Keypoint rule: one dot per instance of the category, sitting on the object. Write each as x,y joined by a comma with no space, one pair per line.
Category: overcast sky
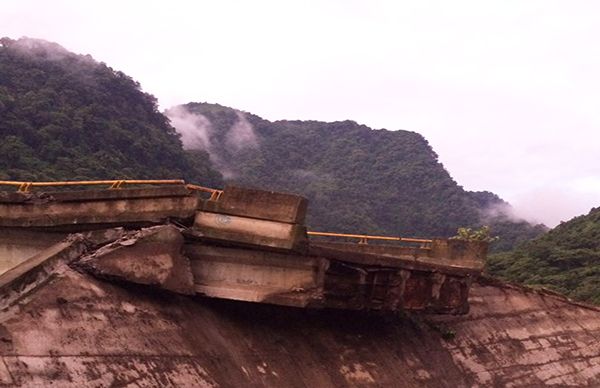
506,92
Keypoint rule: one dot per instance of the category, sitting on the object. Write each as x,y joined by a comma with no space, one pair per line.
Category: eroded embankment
74,330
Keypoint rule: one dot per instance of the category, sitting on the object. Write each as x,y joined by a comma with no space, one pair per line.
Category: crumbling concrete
152,256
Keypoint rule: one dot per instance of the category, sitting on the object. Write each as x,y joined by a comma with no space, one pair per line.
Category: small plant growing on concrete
469,234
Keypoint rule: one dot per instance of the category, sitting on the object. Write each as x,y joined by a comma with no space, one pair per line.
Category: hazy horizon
505,92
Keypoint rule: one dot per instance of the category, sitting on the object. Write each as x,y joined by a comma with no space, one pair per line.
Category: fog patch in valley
198,133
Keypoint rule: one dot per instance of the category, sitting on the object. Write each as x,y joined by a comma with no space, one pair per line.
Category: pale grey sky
507,92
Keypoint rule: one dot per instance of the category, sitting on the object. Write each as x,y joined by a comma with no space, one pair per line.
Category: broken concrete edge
151,257
486,280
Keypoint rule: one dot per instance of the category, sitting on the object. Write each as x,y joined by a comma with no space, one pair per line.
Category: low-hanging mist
198,133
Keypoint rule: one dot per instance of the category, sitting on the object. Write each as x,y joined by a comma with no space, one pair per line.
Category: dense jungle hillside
357,179
66,116
566,259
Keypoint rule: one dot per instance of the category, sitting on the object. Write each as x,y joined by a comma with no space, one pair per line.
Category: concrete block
261,204
250,232
152,256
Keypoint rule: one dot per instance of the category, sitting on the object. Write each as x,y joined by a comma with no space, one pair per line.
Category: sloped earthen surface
75,331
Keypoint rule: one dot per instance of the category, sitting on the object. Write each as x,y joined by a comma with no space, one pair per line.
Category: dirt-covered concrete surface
74,330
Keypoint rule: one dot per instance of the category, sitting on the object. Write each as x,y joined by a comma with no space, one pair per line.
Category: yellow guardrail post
214,193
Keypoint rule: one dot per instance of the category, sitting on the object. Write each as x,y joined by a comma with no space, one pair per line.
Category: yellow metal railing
364,238
114,184
24,187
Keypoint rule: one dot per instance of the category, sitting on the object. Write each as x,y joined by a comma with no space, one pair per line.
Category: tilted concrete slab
98,207
249,232
23,278
261,204
152,256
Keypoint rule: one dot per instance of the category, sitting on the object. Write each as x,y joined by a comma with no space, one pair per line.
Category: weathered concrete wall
18,245
77,331
97,207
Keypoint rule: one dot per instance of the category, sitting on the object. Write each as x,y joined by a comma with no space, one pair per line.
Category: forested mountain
357,179
566,259
66,116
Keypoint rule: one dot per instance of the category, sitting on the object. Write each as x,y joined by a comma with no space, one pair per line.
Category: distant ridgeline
357,179
566,259
66,116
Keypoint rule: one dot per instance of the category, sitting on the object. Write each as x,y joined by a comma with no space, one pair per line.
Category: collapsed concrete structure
121,302
248,245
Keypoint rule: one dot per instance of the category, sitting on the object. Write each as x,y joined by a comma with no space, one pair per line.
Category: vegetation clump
470,234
